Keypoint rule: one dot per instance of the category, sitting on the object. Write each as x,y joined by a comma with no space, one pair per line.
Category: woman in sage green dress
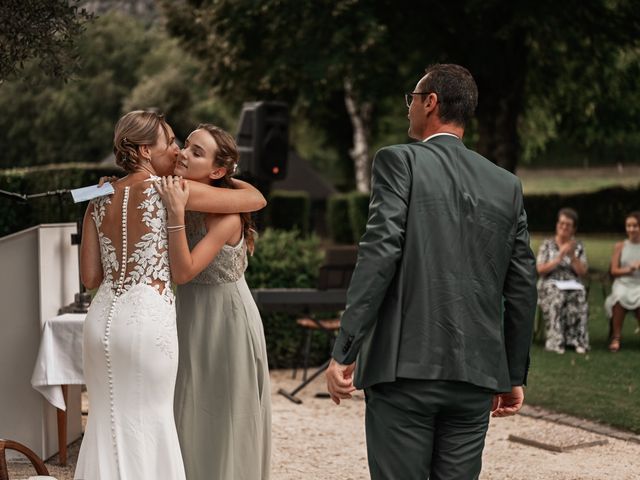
222,401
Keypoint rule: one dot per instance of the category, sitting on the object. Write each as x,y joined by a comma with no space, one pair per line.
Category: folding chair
335,273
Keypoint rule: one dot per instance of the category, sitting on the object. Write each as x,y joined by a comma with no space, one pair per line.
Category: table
59,363
301,300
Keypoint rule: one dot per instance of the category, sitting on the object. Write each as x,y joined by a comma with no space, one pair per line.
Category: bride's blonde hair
134,129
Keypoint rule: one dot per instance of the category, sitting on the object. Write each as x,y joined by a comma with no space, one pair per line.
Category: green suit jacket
444,287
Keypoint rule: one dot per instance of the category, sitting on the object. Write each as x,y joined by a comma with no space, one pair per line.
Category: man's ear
217,173
430,103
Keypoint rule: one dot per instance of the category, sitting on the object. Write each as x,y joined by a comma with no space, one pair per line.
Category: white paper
87,193
569,285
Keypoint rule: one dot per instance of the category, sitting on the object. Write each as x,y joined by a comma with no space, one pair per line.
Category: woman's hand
104,180
175,193
569,249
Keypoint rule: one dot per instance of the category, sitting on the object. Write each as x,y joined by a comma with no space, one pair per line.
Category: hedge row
599,212
17,215
289,210
347,216
602,211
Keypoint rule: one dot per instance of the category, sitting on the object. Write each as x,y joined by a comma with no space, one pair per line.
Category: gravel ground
318,440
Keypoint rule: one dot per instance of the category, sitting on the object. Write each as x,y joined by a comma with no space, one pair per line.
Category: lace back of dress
133,239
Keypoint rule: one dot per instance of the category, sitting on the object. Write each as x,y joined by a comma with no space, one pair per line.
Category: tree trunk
360,116
501,102
498,132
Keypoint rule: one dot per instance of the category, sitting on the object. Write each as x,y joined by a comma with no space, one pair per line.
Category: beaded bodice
132,232
230,263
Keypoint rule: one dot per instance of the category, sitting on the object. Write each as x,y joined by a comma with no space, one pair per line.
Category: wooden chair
335,273
37,463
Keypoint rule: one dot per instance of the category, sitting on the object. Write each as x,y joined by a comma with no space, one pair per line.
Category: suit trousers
426,429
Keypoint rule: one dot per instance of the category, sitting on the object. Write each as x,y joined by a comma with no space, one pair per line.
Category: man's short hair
456,90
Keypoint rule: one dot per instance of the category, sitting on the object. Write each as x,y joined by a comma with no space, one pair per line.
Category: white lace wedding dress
131,345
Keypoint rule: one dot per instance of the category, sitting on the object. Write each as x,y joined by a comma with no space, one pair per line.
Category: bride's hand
175,193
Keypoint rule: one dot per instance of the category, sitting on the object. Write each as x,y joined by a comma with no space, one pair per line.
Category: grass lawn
599,386
574,180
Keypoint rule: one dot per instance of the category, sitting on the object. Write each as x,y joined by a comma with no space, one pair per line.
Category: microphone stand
82,299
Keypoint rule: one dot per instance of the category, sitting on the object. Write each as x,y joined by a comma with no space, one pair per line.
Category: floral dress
566,312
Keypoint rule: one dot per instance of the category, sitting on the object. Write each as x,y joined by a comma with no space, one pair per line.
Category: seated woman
625,291
561,263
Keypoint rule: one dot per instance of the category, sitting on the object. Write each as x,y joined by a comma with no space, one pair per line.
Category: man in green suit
441,304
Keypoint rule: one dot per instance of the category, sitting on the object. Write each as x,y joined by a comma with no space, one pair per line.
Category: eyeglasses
408,97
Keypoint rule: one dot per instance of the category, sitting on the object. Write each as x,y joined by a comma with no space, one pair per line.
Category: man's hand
340,380
507,404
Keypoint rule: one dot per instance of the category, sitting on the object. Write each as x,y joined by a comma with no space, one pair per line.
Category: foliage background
285,259
558,82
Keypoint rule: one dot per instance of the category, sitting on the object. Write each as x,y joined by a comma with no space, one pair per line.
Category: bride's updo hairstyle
133,130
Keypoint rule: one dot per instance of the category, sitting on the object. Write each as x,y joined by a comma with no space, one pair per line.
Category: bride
130,339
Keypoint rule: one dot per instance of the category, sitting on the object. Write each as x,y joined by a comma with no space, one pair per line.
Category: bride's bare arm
90,266
244,198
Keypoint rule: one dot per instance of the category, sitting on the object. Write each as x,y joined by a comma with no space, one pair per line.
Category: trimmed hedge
338,222
358,214
347,215
285,259
289,210
600,212
17,215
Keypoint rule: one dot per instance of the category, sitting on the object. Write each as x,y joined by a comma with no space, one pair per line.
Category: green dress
222,401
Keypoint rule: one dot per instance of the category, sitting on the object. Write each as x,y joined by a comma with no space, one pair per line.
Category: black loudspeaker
263,140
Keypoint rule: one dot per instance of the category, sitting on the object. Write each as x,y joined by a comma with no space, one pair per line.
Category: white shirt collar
438,134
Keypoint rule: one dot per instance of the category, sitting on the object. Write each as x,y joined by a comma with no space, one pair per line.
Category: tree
560,55
45,30
366,50
121,65
300,51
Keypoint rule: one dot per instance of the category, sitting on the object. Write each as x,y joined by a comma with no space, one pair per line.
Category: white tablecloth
59,359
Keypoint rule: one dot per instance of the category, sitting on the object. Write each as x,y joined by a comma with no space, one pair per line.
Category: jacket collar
439,135
443,139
